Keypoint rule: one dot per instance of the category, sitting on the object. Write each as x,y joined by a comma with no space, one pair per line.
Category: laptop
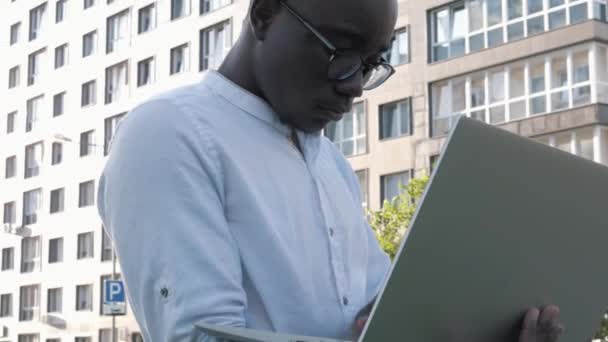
506,223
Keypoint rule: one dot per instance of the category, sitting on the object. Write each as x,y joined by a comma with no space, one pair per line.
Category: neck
238,66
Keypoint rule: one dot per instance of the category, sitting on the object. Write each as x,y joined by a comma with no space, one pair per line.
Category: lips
334,113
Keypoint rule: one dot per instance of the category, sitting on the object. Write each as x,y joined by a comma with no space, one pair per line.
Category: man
227,205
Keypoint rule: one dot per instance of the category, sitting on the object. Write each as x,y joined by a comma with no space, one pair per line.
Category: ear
261,15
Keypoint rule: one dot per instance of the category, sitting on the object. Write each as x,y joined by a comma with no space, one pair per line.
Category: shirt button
345,300
331,231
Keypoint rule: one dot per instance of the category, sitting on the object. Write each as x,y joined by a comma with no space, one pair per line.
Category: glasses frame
334,52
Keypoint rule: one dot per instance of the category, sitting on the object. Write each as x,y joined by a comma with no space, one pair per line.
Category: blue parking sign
113,298
114,292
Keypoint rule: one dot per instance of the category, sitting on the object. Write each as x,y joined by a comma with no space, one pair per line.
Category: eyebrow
344,31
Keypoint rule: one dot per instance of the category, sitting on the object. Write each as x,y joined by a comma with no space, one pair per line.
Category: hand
361,319
541,326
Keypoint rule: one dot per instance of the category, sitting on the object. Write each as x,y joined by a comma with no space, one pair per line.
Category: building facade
71,69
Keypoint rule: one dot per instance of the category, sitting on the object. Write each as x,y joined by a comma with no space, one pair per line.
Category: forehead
371,20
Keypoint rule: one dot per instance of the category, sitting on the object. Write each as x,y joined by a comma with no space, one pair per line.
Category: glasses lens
376,76
343,66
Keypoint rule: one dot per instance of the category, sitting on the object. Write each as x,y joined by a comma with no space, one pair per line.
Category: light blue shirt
217,217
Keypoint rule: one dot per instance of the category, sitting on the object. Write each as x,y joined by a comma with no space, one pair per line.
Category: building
538,68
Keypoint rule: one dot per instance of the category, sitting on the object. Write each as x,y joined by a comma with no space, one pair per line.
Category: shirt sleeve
160,199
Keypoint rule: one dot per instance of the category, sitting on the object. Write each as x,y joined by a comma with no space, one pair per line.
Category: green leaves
391,222
602,334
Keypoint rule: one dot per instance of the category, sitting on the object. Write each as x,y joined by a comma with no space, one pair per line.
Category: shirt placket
334,235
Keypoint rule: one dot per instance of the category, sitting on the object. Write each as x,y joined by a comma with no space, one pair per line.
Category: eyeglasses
344,64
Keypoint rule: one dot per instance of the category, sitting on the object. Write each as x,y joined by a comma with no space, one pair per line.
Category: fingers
549,326
541,326
528,332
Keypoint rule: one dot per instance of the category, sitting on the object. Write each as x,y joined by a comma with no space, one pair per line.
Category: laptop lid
506,223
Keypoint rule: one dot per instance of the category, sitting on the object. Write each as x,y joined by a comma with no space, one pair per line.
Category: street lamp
62,137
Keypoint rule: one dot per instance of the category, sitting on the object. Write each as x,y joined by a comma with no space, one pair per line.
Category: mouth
332,113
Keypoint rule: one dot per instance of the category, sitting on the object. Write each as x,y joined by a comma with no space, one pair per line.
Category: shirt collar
245,100
256,106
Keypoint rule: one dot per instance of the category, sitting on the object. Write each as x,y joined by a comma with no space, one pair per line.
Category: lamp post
62,137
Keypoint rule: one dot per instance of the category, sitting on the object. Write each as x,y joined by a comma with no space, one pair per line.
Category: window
10,167
60,10
61,55
30,254
179,8
392,185
10,122
146,20
57,153
57,199
8,258
86,194
117,31
85,245
362,176
488,23
556,81
36,17
89,42
396,119
87,145
400,49
54,302
32,203
433,160
111,124
84,298
88,3
179,59
10,213
116,82
215,45
14,39
105,335
145,71
33,160
34,65
350,133
55,250
33,107
136,337
583,141
449,32
58,100
13,77
87,96
580,142
106,246
28,338
212,5
6,305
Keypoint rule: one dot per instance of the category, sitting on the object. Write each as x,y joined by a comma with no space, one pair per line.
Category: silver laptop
506,223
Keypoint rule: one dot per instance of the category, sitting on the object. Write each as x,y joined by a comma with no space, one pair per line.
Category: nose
352,86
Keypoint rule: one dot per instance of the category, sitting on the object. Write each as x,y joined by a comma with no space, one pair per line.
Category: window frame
381,119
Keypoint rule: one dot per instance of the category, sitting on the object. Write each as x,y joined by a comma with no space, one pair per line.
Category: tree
602,334
391,222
